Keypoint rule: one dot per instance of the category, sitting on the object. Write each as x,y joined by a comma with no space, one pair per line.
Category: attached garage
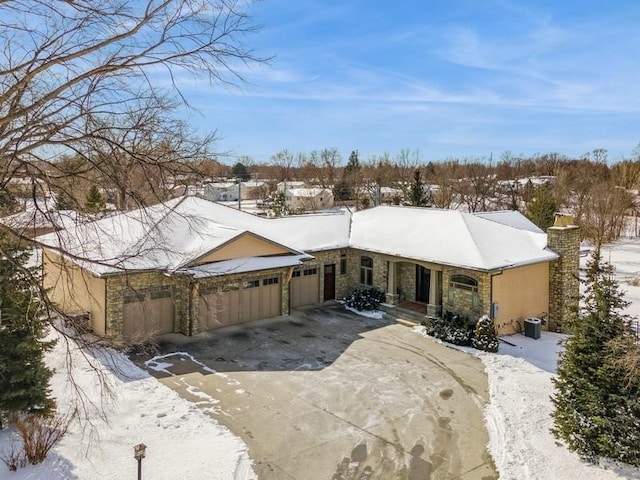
148,312
305,286
238,302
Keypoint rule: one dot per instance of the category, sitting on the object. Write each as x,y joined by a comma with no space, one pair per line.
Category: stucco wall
73,289
245,246
520,293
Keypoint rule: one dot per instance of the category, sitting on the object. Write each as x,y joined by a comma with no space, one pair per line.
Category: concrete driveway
325,394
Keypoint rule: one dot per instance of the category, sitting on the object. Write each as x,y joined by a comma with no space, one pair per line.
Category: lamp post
139,454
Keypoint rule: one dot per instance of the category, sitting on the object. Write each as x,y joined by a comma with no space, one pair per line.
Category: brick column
564,284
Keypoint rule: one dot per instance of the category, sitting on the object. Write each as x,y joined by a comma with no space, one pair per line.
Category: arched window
462,286
366,271
462,281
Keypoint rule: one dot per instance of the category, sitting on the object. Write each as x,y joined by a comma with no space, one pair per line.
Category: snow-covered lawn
182,442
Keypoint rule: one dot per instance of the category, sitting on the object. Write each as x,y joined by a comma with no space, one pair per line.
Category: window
132,296
251,284
270,281
160,292
296,273
467,287
310,271
343,264
366,271
228,287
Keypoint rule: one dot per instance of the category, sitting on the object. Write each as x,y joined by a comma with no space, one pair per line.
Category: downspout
190,307
106,306
491,302
288,276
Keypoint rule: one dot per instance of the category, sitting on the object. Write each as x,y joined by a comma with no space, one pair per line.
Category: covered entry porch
416,285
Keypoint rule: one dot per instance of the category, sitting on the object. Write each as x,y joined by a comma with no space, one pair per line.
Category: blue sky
462,79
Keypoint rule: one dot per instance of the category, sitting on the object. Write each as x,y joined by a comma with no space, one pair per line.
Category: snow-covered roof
448,237
38,218
307,192
242,265
171,236
511,218
162,237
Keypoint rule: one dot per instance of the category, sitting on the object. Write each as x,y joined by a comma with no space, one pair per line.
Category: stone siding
406,281
564,283
118,285
379,270
463,299
329,257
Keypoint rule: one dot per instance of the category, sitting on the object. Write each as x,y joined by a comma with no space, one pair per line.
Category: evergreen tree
417,195
94,202
597,407
542,207
241,172
485,337
64,201
24,376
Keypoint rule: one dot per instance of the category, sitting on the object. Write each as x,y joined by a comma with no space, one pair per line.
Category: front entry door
423,284
329,282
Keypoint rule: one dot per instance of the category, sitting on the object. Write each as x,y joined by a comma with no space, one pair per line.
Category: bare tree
78,77
285,162
322,165
406,163
99,82
477,188
604,213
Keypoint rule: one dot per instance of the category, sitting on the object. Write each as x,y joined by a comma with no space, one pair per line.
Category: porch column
391,296
433,286
433,308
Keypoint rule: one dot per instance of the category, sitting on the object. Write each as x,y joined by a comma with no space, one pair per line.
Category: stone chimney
564,284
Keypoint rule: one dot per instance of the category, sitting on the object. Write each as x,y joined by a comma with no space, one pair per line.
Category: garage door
147,313
233,303
219,306
305,287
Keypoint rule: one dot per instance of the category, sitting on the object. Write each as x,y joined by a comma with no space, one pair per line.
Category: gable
244,246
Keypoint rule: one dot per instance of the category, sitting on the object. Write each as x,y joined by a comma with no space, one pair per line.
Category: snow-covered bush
485,337
365,299
451,329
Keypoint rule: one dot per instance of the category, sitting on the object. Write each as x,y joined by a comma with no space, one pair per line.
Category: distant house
221,191
254,190
282,186
191,265
309,199
38,219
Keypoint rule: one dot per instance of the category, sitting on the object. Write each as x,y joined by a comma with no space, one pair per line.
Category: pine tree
240,171
417,195
542,208
485,337
597,408
94,202
24,376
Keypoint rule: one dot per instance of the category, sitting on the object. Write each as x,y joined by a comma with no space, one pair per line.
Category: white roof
511,218
448,237
38,218
163,237
307,192
170,236
242,265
